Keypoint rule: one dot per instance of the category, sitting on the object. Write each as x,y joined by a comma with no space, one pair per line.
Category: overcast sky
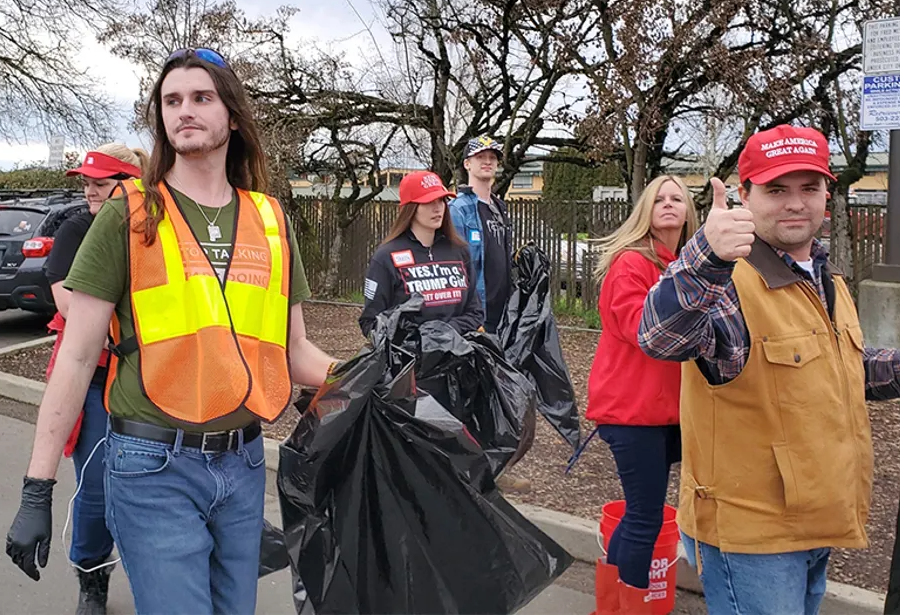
341,23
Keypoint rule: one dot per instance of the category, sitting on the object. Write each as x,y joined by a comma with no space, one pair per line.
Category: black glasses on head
207,55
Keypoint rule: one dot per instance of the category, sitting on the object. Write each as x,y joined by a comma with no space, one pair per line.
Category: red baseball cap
781,150
101,166
422,187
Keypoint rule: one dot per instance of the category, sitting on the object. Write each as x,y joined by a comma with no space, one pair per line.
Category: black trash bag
388,503
273,555
530,340
470,377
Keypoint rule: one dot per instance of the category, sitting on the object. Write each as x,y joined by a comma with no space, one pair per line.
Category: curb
21,389
575,534
25,345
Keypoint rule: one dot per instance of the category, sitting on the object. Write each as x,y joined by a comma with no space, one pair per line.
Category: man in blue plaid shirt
777,447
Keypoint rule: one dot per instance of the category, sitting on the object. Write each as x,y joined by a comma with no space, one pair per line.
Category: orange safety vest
205,352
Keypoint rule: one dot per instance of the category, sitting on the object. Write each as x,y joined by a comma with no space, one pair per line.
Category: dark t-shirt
497,260
442,274
65,245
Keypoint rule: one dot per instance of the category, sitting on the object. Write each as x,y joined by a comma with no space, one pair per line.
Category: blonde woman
633,398
92,543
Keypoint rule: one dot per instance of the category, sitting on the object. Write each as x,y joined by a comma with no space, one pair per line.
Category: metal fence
562,229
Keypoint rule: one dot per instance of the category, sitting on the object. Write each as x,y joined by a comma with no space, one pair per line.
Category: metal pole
892,228
890,270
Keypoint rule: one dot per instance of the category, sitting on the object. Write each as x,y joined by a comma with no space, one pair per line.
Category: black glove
29,537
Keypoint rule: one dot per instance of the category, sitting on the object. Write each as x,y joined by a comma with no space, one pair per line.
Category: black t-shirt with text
497,260
442,274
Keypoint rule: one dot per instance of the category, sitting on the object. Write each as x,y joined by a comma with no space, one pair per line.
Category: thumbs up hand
728,231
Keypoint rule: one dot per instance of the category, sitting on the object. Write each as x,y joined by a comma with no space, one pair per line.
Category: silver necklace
215,233
213,229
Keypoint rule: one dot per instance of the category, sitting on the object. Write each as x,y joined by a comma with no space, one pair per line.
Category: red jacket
626,387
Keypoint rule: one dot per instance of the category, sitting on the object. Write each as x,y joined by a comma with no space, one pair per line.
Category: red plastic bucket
661,594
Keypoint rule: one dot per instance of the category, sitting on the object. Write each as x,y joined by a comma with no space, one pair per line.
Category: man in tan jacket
777,450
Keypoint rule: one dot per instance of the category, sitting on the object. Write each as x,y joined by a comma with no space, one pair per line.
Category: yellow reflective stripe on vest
183,307
258,313
180,307
261,312
165,233
274,236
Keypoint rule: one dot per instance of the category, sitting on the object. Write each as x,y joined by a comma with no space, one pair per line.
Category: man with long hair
199,272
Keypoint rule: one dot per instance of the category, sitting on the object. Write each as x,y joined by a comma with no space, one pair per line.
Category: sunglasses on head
207,55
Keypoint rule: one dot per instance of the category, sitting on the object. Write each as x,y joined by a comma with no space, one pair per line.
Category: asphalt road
18,326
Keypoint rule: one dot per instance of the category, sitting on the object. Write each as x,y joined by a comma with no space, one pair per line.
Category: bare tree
147,36
838,115
497,67
42,90
651,63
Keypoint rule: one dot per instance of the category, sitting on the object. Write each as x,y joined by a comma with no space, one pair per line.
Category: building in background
527,184
529,181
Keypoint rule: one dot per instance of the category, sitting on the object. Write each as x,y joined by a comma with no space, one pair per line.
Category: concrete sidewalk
57,591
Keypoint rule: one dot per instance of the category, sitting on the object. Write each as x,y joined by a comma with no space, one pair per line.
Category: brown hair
404,221
245,165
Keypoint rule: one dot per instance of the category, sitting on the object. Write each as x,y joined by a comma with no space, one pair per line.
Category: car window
56,218
19,222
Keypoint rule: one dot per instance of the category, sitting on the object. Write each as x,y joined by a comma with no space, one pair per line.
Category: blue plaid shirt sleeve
882,373
693,313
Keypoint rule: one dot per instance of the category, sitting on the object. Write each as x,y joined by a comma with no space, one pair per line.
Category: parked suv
28,222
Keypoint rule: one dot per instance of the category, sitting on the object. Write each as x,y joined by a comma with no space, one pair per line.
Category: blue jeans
643,457
741,583
187,524
91,541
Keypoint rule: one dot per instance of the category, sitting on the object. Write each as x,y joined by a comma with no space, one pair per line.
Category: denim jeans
187,524
749,584
643,457
91,541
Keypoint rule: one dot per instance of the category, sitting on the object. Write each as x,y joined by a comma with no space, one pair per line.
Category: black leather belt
208,442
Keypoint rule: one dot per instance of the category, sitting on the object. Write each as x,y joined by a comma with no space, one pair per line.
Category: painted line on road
575,534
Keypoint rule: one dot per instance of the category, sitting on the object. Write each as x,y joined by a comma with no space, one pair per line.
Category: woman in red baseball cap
92,543
422,254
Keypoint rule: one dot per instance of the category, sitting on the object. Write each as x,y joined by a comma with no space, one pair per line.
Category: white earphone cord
71,506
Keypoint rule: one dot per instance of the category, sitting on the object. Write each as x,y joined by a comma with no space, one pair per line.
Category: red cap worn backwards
422,187
101,166
782,150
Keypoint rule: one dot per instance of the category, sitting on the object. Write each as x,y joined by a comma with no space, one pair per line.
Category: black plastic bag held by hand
530,340
388,503
273,554
28,540
470,377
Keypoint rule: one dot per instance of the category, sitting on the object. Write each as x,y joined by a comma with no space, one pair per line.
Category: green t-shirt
101,270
